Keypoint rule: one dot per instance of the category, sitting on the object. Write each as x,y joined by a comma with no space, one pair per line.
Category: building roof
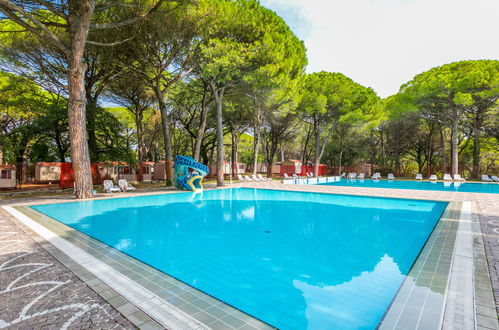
48,164
7,167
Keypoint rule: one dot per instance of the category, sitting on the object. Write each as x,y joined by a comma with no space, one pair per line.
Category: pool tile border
166,300
440,244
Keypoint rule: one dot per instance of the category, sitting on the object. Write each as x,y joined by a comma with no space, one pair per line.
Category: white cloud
384,43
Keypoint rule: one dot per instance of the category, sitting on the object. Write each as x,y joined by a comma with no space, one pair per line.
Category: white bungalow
8,177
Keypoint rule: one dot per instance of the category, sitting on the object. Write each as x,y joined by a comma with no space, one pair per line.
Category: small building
291,166
8,177
47,172
120,170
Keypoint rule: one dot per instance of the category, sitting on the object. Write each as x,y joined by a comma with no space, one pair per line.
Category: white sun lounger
262,178
286,176
352,175
419,176
447,177
376,176
495,178
458,177
391,176
486,178
125,186
360,176
109,187
247,178
433,177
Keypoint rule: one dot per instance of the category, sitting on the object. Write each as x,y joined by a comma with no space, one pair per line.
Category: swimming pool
295,260
474,187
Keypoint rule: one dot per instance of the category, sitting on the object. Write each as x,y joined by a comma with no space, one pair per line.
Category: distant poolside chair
494,178
343,175
391,176
240,178
255,178
352,175
419,176
486,178
310,175
376,176
458,177
447,177
125,186
262,178
109,187
286,176
433,177
248,179
360,176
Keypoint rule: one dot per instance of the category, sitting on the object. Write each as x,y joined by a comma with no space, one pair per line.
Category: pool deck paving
25,247
38,292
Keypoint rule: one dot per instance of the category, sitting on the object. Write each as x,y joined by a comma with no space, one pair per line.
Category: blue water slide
189,173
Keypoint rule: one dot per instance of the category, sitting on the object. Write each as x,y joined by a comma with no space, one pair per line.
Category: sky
385,43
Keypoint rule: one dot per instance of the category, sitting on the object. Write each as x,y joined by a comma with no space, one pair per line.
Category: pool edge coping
472,207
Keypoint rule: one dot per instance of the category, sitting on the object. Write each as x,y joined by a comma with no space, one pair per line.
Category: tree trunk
443,151
319,149
1,152
256,139
476,148
234,152
218,94
79,21
202,126
60,148
340,158
141,147
165,124
455,142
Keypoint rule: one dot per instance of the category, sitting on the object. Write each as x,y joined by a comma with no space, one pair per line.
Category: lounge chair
486,178
360,176
376,176
248,179
447,177
458,177
295,176
255,178
352,175
343,175
286,176
262,178
419,176
391,176
495,178
109,187
433,177
125,186
240,178
309,175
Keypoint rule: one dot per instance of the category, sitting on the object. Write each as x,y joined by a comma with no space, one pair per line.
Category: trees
449,92
329,99
66,28
245,44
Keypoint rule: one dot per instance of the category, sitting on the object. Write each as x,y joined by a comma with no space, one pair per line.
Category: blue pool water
474,187
295,260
